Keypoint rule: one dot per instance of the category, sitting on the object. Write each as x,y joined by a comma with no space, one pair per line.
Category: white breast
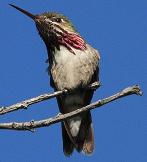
71,70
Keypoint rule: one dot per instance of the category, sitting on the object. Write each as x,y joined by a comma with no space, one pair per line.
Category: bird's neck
69,40
72,41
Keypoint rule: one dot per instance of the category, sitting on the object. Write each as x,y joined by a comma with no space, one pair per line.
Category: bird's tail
84,141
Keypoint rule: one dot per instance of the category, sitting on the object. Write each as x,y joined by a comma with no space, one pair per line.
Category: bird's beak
34,17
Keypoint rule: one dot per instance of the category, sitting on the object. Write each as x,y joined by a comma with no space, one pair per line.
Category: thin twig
26,103
61,117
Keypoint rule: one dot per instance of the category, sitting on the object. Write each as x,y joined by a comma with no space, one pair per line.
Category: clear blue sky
118,28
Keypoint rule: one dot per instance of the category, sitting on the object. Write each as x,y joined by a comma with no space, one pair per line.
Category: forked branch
61,117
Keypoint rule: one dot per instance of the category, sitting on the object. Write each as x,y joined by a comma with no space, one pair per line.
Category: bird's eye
59,20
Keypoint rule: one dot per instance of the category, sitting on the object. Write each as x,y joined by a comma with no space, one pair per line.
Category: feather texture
75,72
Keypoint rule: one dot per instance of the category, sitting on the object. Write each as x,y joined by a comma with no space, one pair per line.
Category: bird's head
55,28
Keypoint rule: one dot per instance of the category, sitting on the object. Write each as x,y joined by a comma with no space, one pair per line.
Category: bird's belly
70,71
73,102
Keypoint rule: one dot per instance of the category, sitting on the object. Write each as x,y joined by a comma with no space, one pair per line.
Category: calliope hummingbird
73,65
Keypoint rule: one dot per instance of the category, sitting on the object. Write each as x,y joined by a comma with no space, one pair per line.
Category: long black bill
24,12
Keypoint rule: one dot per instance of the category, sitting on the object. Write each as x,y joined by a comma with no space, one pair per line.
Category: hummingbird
73,65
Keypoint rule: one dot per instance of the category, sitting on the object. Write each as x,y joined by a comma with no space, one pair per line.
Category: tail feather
88,145
84,140
68,146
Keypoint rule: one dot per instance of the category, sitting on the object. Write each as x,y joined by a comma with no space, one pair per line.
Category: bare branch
26,103
61,117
